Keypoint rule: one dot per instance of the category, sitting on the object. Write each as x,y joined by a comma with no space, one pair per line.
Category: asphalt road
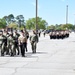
53,57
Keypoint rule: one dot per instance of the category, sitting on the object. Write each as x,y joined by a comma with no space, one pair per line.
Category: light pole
36,25
67,14
74,19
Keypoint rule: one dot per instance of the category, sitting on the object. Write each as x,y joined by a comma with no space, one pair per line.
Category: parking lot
53,57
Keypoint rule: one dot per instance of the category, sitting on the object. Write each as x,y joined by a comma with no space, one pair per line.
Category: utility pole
36,26
67,14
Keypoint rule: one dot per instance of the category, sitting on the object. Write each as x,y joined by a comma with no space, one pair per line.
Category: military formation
15,43
59,34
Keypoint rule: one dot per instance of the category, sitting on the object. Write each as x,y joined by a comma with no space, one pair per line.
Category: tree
2,23
20,20
30,24
12,25
67,26
6,19
9,19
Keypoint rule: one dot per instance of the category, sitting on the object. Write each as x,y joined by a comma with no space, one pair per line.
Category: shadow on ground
27,55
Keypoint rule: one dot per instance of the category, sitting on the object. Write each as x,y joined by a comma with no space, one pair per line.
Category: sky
53,11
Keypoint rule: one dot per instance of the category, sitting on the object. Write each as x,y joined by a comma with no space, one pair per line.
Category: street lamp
36,26
67,14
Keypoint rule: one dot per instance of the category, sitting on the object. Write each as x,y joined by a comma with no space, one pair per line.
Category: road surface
53,57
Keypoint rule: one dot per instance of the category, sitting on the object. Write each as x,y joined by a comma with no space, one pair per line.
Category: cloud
34,4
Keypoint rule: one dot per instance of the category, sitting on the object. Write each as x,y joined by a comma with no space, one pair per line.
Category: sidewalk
53,57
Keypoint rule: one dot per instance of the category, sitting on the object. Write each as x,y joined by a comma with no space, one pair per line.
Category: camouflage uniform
27,36
16,35
10,44
1,43
34,40
5,35
22,42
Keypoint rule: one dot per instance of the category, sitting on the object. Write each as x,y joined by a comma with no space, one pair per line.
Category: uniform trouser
26,47
67,35
39,34
58,37
23,46
62,37
11,49
3,49
50,37
14,49
33,44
